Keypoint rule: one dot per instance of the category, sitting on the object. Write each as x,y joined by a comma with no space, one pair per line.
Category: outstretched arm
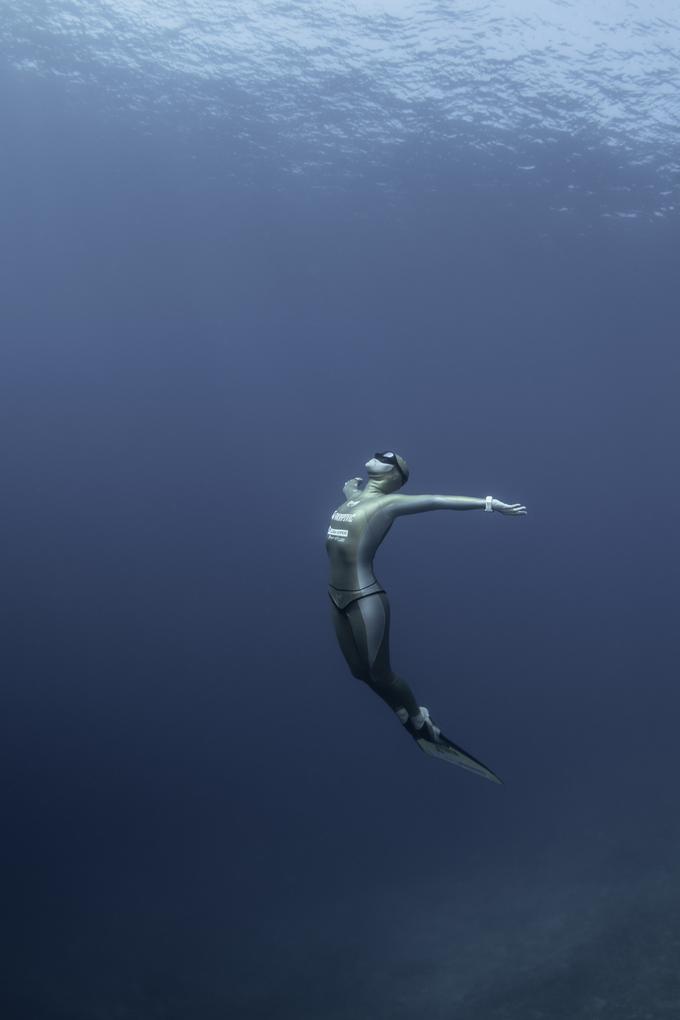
399,504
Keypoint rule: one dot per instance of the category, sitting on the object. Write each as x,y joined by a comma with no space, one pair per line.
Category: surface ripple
544,89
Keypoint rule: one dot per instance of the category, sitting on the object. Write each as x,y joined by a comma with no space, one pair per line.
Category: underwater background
244,245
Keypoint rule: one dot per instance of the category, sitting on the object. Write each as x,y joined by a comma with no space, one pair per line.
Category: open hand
510,509
351,487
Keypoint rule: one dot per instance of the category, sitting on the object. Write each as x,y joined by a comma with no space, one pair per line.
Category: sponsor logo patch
339,533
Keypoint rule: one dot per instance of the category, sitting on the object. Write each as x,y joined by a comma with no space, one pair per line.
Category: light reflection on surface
338,86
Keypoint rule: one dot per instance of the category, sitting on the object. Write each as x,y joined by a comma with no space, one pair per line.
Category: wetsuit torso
356,530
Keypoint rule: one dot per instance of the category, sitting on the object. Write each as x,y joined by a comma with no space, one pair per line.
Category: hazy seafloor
245,245
535,950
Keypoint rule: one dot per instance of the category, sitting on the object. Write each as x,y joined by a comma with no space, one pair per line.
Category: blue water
244,246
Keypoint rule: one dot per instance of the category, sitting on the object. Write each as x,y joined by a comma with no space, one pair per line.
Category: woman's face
376,467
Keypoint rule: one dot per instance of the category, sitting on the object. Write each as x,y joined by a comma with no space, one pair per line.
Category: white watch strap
488,507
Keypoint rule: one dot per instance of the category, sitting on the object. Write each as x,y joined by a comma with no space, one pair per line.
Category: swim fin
432,741
446,750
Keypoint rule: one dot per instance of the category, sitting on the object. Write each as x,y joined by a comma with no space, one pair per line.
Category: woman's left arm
398,504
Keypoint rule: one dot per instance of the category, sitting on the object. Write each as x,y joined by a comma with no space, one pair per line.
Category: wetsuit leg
343,632
363,631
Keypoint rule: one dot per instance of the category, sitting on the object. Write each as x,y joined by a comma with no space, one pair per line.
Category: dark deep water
220,293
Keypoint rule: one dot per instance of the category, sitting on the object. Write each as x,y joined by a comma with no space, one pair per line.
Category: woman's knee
380,679
374,678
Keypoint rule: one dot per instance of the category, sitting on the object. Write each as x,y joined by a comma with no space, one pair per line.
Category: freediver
360,607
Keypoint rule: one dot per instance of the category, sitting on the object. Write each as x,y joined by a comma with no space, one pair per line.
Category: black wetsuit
361,611
360,607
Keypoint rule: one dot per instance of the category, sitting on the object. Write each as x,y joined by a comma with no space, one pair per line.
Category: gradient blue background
219,295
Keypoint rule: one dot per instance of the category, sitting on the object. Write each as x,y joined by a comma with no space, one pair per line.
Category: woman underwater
361,610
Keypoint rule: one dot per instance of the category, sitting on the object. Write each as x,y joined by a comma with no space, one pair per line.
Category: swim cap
389,457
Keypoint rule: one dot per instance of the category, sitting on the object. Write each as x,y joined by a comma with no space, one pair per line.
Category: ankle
421,718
